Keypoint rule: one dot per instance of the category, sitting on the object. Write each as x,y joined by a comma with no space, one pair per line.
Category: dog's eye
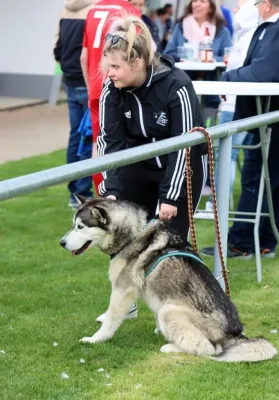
80,227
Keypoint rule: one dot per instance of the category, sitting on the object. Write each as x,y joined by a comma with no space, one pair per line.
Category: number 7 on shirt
102,16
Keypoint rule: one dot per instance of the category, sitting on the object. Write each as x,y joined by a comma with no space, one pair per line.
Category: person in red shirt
98,22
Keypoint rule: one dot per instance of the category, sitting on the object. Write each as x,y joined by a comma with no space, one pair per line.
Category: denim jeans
241,233
77,99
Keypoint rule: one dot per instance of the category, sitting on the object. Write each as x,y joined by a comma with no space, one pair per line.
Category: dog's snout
63,243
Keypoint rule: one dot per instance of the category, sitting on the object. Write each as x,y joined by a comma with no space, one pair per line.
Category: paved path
31,131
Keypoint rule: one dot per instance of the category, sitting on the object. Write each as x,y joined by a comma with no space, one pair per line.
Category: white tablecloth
199,66
236,88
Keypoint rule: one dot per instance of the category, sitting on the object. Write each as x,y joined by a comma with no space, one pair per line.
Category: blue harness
172,254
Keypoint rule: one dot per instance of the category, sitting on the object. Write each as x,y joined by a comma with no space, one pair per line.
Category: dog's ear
80,199
100,215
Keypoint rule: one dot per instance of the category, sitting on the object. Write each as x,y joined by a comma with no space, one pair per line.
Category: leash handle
189,173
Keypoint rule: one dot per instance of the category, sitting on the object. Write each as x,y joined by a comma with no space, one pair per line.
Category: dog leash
189,173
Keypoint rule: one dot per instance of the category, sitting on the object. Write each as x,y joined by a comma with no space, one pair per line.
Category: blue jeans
77,99
237,140
241,233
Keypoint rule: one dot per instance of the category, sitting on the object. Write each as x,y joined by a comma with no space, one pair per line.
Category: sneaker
268,253
132,314
209,206
207,214
203,215
232,252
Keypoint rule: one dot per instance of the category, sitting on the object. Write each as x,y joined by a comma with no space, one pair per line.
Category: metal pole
32,182
223,197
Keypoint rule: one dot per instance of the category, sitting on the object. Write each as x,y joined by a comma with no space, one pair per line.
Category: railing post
223,196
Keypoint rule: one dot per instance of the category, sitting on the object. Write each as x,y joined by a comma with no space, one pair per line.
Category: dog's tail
247,350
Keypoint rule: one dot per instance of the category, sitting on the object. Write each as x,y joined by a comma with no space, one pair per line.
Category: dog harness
173,254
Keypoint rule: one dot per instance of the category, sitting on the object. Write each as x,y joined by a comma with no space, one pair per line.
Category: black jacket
165,106
68,46
261,65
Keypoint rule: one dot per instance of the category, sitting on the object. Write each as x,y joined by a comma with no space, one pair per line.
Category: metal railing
32,182
54,176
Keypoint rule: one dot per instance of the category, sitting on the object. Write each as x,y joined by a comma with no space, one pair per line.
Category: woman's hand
111,196
167,212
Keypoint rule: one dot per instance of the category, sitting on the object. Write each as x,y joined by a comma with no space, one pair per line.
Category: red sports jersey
97,25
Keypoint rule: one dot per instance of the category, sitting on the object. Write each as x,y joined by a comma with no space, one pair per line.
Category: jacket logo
161,118
128,114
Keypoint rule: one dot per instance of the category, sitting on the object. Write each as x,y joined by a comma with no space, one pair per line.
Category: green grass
48,296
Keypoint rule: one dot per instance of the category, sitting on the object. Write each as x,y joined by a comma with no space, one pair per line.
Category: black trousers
142,186
241,234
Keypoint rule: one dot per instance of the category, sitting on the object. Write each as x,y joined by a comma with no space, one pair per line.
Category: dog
151,261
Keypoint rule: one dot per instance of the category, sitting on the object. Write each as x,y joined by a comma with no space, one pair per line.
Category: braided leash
189,173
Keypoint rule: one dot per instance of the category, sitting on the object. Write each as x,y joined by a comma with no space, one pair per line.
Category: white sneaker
207,214
209,206
132,314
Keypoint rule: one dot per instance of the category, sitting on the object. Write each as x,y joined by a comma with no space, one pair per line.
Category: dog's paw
170,348
98,337
86,339
157,331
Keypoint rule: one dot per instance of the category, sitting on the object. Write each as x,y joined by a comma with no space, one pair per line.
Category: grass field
49,300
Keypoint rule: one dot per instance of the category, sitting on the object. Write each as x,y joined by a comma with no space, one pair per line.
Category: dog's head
90,225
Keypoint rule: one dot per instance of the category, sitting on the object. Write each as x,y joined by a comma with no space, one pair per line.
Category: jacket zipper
157,157
143,128
140,115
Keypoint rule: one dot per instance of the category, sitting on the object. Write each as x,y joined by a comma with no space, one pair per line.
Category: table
236,88
241,89
199,66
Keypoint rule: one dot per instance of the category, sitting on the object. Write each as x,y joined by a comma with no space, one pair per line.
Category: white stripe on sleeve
101,143
187,124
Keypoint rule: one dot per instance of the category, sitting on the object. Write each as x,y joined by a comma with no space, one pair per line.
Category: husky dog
192,311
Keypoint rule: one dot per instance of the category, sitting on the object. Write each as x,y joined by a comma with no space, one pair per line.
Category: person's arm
263,68
57,46
184,114
112,138
225,41
171,47
84,65
84,54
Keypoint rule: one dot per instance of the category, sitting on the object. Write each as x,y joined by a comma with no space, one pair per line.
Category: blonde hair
136,43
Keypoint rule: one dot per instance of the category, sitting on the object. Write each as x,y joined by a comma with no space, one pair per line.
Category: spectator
199,15
96,27
160,21
261,65
134,112
67,52
246,20
169,9
140,5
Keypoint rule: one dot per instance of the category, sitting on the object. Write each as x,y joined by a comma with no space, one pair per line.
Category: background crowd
246,38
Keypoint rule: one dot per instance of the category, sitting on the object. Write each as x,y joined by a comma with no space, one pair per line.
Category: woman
146,99
199,15
246,20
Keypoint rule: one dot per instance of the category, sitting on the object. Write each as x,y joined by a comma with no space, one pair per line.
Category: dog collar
173,254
